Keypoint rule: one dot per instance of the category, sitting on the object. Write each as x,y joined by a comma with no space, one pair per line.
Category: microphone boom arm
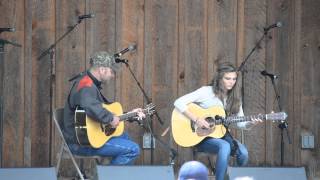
140,87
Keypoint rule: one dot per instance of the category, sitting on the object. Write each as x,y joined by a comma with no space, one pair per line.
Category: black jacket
85,92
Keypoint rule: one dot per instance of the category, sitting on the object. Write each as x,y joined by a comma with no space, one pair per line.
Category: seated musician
222,93
86,93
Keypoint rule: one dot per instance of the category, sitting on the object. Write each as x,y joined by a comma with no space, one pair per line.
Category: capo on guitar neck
217,117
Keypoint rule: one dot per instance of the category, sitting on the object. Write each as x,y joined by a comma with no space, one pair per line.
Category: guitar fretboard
235,119
127,116
244,118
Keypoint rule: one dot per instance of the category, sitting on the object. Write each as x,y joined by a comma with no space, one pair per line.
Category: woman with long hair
222,92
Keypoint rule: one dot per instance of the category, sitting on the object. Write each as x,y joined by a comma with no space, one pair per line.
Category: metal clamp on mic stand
173,152
284,124
50,51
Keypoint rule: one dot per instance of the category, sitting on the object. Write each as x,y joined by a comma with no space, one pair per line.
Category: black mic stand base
283,126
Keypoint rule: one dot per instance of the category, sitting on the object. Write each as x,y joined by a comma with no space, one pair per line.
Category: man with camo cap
85,93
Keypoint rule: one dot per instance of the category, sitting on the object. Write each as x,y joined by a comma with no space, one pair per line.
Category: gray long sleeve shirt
205,98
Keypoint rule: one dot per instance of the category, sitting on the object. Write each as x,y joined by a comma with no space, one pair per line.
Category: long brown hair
233,97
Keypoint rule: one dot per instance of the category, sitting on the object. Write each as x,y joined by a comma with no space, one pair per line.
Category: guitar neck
127,116
236,119
244,118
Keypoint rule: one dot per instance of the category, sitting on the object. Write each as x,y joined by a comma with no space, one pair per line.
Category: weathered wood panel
130,28
179,45
28,71
254,84
70,54
13,90
297,79
161,53
193,46
279,62
42,36
308,69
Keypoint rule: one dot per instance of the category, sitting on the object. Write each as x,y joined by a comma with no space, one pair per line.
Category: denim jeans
222,149
121,149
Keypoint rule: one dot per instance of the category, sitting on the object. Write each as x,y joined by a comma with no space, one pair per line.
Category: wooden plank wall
179,44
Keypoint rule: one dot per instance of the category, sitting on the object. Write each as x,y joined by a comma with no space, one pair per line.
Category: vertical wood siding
179,44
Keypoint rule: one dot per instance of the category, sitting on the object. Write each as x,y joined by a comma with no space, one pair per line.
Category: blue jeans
122,150
222,148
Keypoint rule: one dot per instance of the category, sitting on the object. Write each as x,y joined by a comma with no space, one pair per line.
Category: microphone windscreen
132,47
279,24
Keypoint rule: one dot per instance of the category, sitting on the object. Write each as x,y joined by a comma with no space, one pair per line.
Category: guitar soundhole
211,121
108,130
201,131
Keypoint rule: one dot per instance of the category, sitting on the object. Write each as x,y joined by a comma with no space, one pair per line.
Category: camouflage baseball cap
104,59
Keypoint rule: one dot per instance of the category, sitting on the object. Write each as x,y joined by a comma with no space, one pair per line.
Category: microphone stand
241,67
284,124
173,152
51,52
243,71
3,42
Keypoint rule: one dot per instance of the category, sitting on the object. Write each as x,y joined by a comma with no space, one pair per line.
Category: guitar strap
72,108
104,98
228,137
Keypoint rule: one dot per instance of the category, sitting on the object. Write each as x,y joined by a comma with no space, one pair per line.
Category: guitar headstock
149,109
279,116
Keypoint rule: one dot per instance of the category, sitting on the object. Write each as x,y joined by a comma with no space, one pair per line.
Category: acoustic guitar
186,133
90,132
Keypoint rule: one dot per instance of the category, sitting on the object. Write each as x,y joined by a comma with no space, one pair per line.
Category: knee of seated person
225,147
245,154
242,158
136,150
243,151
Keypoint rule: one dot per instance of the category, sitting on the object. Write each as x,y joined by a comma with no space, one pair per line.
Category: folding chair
58,119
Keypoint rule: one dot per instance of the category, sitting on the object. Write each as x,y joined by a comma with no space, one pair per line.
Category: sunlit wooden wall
179,45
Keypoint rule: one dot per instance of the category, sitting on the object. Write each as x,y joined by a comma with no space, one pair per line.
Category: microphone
277,24
7,29
85,16
131,47
272,76
118,60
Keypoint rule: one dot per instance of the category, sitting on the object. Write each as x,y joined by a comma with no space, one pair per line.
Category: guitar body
89,131
184,131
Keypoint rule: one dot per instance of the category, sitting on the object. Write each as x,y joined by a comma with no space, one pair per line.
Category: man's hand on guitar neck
140,113
116,119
